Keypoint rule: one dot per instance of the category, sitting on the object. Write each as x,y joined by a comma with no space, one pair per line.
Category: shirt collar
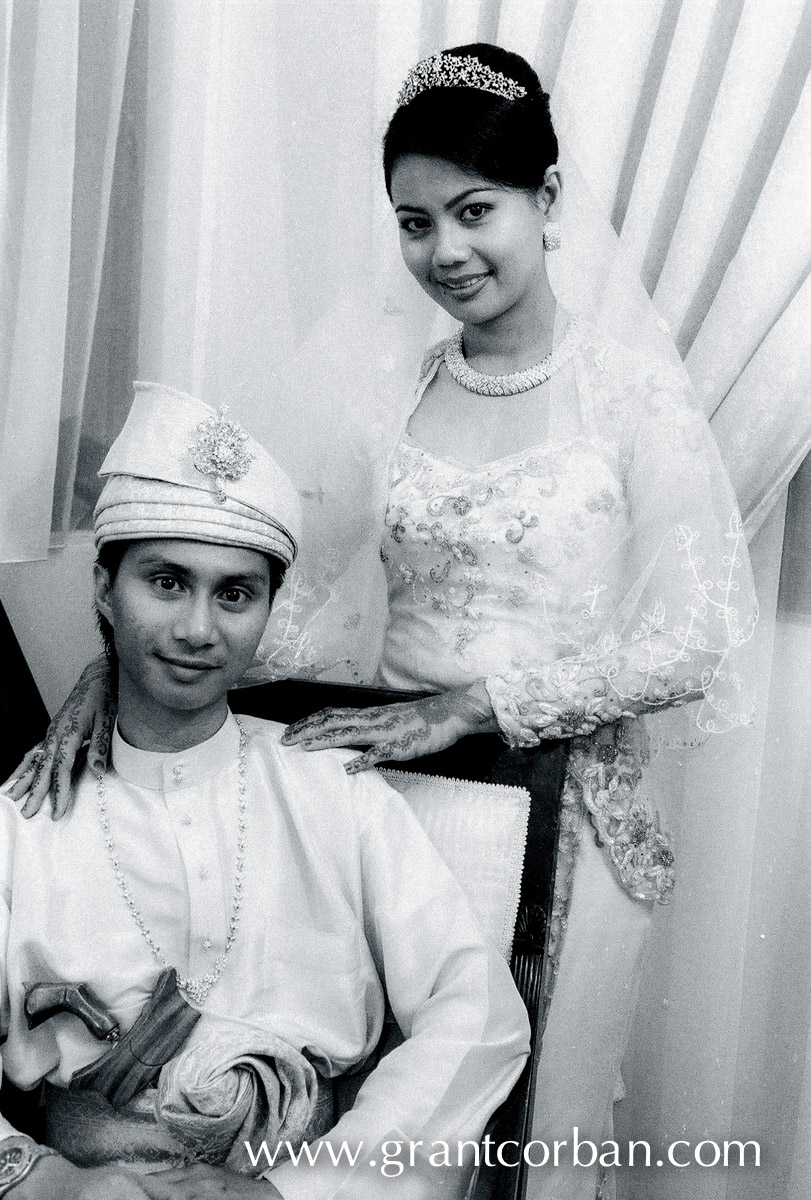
180,769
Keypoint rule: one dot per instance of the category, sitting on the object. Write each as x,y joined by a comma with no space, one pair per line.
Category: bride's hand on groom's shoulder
88,712
396,732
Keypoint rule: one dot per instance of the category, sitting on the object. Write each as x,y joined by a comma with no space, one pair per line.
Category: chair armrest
512,1121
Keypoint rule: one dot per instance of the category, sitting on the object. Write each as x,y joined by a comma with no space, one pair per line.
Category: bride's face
474,247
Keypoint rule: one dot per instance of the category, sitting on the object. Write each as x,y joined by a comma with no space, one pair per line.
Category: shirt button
186,820
207,943
203,873
179,771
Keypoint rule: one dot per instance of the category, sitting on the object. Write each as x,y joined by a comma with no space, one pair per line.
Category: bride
562,549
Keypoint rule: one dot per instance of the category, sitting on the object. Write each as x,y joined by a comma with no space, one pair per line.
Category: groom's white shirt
343,895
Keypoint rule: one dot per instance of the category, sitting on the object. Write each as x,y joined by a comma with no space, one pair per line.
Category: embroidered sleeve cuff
509,706
559,700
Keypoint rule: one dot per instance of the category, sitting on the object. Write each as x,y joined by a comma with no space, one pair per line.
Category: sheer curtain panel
63,74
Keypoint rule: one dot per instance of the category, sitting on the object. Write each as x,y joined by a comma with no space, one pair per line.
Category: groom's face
186,617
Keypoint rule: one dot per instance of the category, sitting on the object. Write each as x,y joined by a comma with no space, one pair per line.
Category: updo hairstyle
509,142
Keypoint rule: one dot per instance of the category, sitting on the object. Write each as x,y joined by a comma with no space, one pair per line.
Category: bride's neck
518,338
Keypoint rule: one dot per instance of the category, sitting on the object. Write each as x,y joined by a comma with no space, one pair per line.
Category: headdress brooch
220,450
448,70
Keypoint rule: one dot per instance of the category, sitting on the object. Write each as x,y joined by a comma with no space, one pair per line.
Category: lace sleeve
572,698
681,629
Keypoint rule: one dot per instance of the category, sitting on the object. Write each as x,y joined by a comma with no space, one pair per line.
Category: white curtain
62,85
191,185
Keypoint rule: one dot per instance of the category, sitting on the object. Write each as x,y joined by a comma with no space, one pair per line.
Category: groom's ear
102,592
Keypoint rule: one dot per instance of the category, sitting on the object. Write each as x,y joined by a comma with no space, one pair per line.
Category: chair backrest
479,759
480,830
23,716
24,720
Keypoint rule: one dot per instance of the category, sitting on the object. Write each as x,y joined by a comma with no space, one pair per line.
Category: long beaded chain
518,381
195,989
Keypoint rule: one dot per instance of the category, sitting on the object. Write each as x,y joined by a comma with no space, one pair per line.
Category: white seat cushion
480,829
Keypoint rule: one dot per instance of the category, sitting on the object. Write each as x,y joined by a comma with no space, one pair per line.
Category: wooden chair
482,758
24,721
23,716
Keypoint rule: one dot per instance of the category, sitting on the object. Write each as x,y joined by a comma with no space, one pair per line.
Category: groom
198,949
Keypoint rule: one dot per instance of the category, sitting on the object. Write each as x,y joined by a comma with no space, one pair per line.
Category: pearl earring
551,236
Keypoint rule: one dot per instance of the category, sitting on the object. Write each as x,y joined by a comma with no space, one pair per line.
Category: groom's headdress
181,469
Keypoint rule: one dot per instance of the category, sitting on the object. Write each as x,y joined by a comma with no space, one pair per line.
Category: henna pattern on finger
18,789
369,759
396,731
99,750
28,764
38,769
56,782
316,721
364,722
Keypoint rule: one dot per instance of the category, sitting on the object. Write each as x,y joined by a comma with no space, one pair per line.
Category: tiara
448,70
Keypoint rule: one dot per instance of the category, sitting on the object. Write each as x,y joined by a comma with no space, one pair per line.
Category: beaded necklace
196,989
518,381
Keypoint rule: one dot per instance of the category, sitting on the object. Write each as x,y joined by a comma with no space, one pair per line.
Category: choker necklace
518,381
195,989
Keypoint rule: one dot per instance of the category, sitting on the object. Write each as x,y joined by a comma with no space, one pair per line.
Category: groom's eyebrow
159,563
247,579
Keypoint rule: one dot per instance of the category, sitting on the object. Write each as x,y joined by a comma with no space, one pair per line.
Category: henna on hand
99,750
396,731
18,782
50,767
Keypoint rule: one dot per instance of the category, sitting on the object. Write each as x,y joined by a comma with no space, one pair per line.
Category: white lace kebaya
589,580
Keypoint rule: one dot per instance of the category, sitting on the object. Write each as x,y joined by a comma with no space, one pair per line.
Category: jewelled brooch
220,450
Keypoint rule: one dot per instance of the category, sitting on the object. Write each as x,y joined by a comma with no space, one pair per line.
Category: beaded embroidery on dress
593,562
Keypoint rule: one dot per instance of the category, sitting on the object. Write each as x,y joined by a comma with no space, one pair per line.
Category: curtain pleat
520,26
40,139
104,43
692,74
776,1002
182,134
780,98
601,114
645,108
769,268
700,248
763,427
61,107
558,16
461,22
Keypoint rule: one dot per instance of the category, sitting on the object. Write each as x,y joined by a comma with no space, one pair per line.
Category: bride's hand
397,731
88,712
